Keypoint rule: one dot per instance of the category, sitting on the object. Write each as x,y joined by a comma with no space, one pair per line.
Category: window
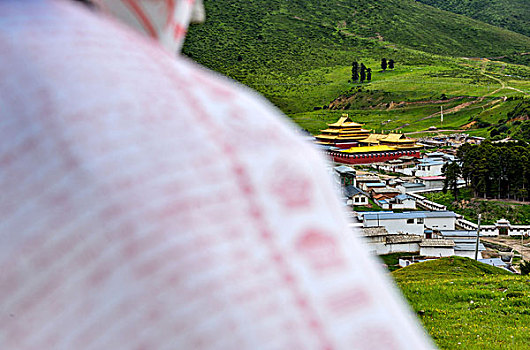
420,221
410,221
356,199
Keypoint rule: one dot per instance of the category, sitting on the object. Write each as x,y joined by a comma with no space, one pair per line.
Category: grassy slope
513,15
298,54
491,210
468,305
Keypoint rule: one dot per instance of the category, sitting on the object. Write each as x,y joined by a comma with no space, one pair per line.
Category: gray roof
402,197
410,215
411,185
375,184
367,178
391,216
394,239
350,191
458,233
436,242
343,169
374,231
385,190
438,214
468,247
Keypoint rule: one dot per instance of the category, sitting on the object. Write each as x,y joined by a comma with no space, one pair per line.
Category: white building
411,222
437,248
465,242
355,196
380,242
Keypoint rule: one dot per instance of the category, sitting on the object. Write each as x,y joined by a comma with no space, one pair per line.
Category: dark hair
87,3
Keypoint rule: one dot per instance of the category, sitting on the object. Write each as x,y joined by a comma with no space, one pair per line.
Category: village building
465,242
380,242
347,175
385,192
502,227
432,183
437,248
355,196
401,201
411,187
416,222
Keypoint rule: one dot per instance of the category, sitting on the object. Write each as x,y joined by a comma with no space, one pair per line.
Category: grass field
298,54
464,304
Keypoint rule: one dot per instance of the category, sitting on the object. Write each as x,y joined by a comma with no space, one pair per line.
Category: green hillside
513,15
298,54
464,304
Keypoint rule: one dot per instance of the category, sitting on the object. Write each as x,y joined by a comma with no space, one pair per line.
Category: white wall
396,226
437,251
467,254
407,204
433,170
441,223
382,248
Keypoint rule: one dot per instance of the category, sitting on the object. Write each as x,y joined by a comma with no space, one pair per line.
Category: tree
525,267
363,73
354,72
368,74
452,173
383,64
391,64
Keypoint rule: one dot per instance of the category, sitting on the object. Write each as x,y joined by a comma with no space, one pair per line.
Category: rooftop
351,191
409,215
343,169
436,242
403,239
368,149
374,231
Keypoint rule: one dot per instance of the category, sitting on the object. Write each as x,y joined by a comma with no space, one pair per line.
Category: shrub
525,267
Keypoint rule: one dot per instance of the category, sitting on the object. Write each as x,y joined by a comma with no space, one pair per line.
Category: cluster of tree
492,170
387,64
360,73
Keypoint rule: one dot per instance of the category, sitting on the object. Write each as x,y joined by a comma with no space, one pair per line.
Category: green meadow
464,304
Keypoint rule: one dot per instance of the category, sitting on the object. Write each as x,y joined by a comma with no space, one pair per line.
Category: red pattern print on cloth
291,186
320,251
349,302
376,336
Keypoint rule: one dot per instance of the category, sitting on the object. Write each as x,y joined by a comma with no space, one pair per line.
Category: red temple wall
368,158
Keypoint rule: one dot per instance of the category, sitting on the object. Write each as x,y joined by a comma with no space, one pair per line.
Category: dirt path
512,243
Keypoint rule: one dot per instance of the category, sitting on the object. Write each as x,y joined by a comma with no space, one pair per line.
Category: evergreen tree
354,72
452,173
363,73
391,64
368,74
383,64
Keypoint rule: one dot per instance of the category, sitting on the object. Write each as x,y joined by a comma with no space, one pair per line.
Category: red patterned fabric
148,204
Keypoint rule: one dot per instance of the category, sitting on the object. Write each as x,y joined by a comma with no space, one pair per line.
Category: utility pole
441,117
478,235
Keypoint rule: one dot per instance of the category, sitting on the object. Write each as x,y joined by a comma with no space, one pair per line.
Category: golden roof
345,121
373,138
397,138
365,149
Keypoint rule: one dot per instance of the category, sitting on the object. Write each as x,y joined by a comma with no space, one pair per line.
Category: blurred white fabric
150,204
